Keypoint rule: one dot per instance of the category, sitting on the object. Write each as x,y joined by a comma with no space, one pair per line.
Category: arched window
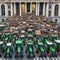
56,10
2,10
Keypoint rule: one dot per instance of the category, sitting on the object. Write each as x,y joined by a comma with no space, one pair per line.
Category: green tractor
2,46
8,51
6,37
53,38
57,45
30,49
2,27
40,49
45,39
50,49
18,48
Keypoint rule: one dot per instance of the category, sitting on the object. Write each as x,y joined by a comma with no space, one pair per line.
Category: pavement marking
56,58
37,58
48,58
53,58
34,59
41,58
44,58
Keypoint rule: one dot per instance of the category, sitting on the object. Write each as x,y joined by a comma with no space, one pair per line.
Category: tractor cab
30,49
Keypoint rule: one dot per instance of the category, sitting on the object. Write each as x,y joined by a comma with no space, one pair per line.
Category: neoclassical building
48,8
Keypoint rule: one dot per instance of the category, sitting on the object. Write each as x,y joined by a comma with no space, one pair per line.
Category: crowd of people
40,24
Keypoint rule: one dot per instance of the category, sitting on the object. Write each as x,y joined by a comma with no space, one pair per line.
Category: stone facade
39,7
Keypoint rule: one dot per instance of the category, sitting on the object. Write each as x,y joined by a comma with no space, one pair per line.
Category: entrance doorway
41,9
17,9
28,7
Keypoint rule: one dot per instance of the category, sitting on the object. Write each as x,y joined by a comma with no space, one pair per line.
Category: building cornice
52,1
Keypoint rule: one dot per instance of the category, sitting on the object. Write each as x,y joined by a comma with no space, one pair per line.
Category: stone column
20,8
36,8
47,9
44,9
14,9
52,10
30,7
25,7
11,9
6,10
59,11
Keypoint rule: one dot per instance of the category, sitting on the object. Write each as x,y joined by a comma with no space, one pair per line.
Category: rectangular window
41,9
9,6
49,6
9,13
49,13
28,7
